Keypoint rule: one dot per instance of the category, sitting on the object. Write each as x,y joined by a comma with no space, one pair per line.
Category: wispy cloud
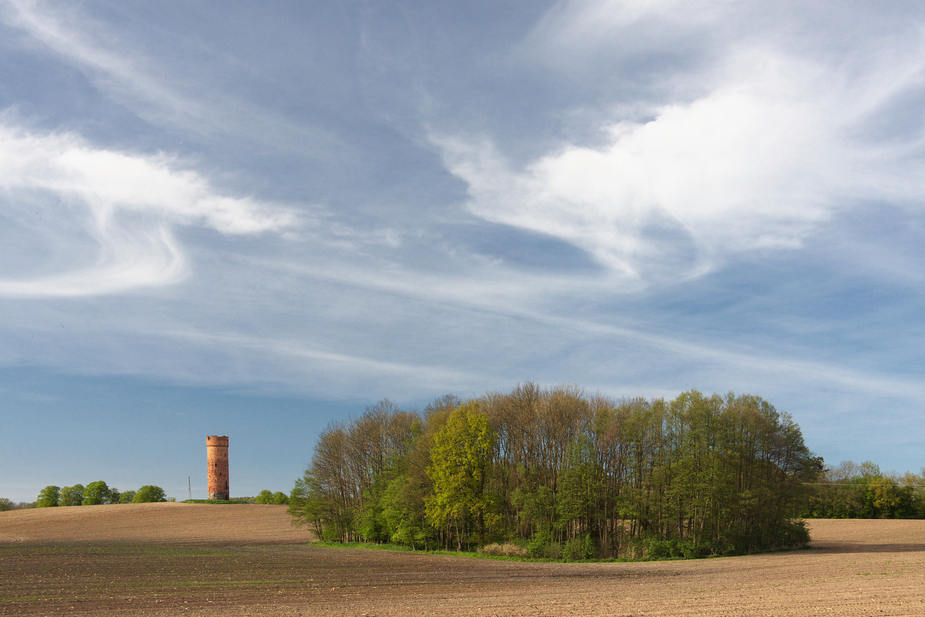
113,71
125,204
159,89
766,147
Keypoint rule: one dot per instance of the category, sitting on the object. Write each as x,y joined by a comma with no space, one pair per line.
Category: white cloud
754,151
585,26
126,204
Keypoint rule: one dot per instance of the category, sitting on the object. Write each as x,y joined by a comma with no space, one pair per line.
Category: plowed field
171,559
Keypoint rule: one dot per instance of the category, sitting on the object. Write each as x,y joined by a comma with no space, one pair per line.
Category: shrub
578,548
543,545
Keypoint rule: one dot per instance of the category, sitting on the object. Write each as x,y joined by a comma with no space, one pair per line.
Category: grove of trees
96,493
563,475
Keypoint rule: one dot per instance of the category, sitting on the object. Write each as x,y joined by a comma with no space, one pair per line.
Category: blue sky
250,220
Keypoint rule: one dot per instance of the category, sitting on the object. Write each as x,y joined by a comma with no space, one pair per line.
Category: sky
254,219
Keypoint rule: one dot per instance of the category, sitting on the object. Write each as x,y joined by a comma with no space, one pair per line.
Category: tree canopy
149,494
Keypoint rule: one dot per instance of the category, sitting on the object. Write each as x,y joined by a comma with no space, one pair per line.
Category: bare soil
170,559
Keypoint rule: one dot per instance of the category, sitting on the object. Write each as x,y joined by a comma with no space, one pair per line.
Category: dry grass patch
507,549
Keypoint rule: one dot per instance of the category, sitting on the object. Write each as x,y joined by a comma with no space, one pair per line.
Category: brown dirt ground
171,559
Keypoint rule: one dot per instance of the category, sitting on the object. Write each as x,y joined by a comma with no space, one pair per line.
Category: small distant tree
95,493
6,504
149,494
48,497
71,495
277,498
280,498
127,497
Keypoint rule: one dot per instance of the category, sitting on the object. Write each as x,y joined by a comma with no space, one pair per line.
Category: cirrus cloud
108,215
752,146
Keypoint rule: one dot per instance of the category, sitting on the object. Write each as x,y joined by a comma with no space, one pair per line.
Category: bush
791,534
578,548
653,548
543,545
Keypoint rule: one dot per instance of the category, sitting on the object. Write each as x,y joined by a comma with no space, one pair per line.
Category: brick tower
217,462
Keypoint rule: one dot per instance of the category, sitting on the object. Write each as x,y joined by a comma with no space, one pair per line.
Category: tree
277,498
460,465
127,497
149,494
48,497
6,504
71,495
579,488
95,493
308,505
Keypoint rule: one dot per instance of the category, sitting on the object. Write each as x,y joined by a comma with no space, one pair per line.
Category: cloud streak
124,204
172,96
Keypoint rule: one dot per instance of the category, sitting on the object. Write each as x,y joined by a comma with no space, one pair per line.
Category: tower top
217,441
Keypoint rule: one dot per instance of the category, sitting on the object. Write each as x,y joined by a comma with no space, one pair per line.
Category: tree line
96,493
852,490
563,475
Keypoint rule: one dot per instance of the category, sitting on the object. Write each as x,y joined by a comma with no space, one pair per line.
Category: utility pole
189,484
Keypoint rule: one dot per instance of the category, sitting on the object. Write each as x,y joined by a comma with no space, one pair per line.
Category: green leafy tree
309,505
48,497
277,498
127,497
149,494
579,488
71,495
6,504
461,460
96,493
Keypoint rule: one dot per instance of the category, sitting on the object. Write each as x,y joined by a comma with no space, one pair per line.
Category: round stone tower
217,462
